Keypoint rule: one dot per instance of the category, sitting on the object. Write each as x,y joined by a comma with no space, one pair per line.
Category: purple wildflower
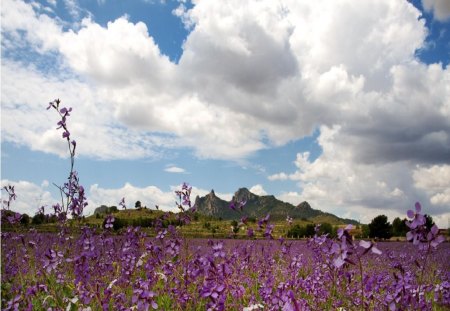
109,221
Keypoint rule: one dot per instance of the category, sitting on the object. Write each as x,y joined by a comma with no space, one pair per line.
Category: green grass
201,226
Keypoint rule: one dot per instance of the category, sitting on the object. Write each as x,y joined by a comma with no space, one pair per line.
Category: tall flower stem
361,282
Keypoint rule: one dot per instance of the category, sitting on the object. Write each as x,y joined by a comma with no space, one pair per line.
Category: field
47,271
92,264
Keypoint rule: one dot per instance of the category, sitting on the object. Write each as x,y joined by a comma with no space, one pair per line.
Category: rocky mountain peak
211,194
256,206
243,194
304,205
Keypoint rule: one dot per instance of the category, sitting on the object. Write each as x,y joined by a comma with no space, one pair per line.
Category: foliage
399,227
380,228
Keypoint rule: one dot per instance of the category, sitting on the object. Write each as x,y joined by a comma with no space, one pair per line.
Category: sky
344,104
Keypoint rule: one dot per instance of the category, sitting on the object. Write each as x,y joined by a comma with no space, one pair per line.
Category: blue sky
344,104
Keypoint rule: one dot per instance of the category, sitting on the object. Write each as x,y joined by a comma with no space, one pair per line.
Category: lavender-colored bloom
250,233
244,220
369,246
268,232
52,259
161,234
218,250
109,221
232,206
65,111
14,219
241,204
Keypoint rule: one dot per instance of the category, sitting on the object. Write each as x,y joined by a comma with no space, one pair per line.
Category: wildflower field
133,272
90,269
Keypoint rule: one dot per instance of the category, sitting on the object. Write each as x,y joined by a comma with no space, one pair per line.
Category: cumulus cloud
435,181
440,8
278,176
149,196
258,190
252,74
335,183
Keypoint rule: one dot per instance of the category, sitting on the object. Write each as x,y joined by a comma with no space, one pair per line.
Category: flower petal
418,207
376,251
410,214
365,244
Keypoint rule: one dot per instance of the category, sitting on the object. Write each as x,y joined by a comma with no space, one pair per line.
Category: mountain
212,205
259,206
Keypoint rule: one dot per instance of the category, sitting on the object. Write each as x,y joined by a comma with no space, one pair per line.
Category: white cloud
258,190
149,196
334,182
73,8
440,8
222,99
174,169
278,176
182,12
435,181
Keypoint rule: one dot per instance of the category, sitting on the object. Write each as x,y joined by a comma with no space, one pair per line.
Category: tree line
378,228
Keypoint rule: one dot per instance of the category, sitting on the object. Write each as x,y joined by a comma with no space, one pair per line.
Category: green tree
296,232
25,220
380,228
399,227
112,209
310,230
429,221
38,219
365,232
326,228
138,204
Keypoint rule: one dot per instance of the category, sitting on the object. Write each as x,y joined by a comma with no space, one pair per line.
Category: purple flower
268,232
250,233
242,204
244,220
66,134
232,206
52,259
109,221
369,246
161,234
65,111
218,250
14,219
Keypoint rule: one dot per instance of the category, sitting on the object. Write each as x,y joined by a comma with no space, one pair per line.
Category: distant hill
259,206
103,209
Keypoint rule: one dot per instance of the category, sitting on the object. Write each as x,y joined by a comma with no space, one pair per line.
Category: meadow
46,271
90,269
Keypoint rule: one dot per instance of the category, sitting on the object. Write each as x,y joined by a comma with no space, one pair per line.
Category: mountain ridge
257,206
